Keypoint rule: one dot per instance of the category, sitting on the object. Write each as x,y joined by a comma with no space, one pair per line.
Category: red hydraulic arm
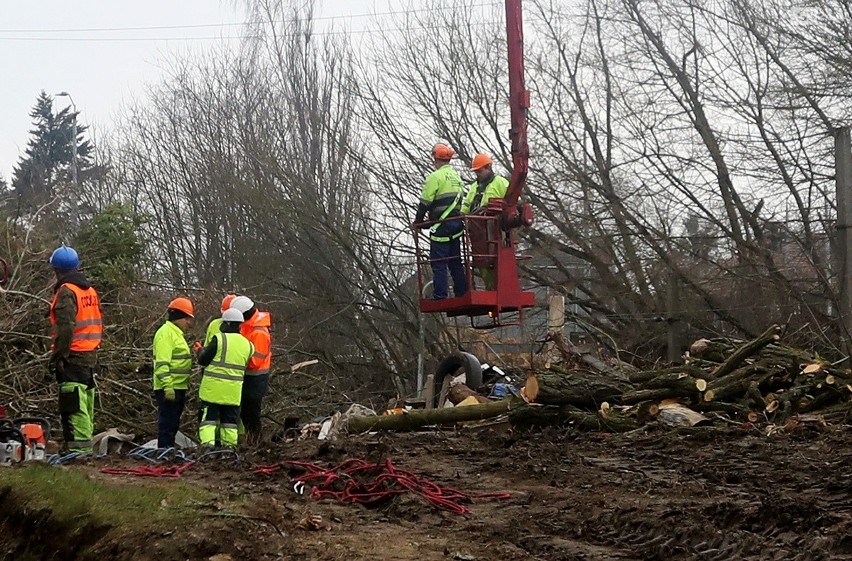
519,103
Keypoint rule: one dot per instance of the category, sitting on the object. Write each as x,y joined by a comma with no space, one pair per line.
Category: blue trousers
443,256
168,417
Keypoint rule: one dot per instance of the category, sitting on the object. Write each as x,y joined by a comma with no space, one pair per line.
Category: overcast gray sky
40,53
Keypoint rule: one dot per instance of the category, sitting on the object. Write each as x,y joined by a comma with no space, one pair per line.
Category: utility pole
75,193
843,186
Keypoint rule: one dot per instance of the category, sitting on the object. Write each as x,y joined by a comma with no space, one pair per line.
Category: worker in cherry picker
75,316
441,199
487,186
172,367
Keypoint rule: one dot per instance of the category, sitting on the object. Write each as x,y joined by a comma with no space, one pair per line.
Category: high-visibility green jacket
441,198
172,360
478,195
222,382
214,327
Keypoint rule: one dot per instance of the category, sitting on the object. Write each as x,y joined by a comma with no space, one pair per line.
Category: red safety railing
490,265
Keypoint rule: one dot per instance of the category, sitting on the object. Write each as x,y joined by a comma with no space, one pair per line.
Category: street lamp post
74,191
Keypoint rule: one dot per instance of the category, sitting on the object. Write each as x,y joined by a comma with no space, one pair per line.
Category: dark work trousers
168,418
254,388
444,255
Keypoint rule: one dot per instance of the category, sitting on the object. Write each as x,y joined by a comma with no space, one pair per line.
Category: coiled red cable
350,482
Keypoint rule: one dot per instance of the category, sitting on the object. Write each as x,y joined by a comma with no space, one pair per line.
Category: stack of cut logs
758,381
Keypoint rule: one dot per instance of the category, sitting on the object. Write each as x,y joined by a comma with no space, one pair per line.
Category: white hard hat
232,314
242,303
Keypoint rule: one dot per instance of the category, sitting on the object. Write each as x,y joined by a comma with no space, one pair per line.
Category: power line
232,24
230,37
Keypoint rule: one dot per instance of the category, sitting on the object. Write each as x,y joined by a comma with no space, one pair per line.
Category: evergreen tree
45,167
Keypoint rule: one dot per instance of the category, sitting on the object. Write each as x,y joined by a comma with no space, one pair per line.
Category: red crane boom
519,101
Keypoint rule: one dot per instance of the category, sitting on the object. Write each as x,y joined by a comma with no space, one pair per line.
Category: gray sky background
36,53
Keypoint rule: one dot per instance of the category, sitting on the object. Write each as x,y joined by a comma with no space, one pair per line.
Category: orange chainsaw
23,439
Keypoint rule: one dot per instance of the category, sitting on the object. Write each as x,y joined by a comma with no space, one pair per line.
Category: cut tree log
771,335
576,387
648,375
736,384
657,394
460,392
645,411
733,410
676,380
417,419
534,416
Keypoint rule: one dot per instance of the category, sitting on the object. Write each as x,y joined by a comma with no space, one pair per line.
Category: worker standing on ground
214,326
224,360
487,186
255,328
172,366
441,199
75,315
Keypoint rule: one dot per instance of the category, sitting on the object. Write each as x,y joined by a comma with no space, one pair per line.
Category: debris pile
761,381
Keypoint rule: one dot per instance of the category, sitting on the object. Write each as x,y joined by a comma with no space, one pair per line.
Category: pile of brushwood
721,382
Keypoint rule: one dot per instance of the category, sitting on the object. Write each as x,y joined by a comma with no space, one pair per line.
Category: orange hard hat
442,152
480,161
183,305
226,301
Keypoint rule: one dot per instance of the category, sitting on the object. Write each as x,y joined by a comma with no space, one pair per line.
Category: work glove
197,346
169,394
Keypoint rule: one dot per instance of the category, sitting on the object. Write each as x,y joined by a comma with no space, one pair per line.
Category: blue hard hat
64,258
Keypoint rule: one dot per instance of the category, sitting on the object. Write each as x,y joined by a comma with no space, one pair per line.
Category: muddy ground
732,493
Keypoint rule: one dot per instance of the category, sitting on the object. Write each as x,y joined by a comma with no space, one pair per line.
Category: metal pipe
75,194
421,345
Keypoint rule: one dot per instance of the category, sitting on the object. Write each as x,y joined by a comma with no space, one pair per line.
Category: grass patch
77,499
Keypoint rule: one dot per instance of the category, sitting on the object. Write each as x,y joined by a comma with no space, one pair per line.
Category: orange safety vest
88,325
256,330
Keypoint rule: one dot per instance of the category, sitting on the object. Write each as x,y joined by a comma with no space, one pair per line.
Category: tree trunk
576,387
657,394
417,419
648,375
533,416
